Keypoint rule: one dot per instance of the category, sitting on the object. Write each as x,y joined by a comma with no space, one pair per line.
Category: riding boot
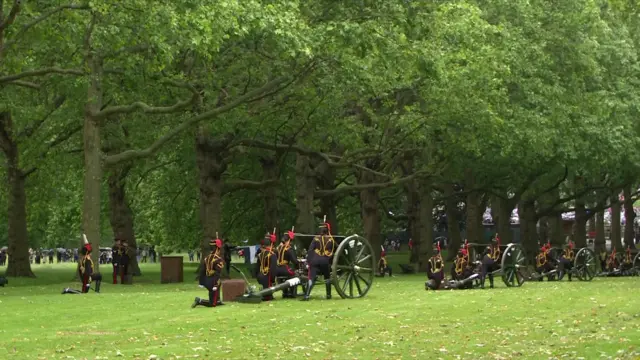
328,287
308,292
196,302
569,275
98,285
491,281
560,275
482,279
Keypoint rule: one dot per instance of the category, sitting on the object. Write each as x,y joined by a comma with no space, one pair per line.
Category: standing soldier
319,258
210,273
566,261
287,256
383,265
85,271
490,259
268,262
123,263
435,269
116,252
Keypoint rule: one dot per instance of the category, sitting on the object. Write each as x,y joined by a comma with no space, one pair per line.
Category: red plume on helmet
86,245
571,244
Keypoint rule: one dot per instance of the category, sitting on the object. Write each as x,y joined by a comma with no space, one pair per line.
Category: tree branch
26,84
137,154
55,142
235,185
38,20
126,49
30,130
15,9
147,109
368,186
151,169
39,72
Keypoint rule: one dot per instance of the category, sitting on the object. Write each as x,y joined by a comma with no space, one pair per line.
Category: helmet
215,243
382,253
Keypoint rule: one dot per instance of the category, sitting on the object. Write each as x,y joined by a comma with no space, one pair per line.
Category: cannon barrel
256,297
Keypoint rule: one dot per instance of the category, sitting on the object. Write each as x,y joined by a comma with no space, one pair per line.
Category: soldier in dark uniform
544,263
383,265
612,262
566,261
85,271
123,264
603,260
286,257
490,261
210,273
435,269
116,254
268,263
319,259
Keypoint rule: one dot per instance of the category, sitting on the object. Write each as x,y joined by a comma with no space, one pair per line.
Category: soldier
566,261
85,271
612,262
543,263
287,256
116,254
435,270
268,262
123,262
319,258
603,260
383,266
627,262
490,259
210,273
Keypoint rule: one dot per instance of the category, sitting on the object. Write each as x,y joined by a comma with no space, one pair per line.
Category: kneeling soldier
85,271
268,262
543,263
210,273
435,270
566,261
286,257
383,266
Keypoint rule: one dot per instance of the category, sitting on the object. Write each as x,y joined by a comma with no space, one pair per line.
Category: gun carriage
626,263
584,263
352,269
512,262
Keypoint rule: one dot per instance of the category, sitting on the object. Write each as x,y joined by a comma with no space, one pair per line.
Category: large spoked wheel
584,265
513,264
636,265
353,267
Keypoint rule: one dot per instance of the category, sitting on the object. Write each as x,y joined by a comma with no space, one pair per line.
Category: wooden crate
171,269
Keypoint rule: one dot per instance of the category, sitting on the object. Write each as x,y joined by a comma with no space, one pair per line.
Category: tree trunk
270,193
616,236
453,223
120,215
370,212
502,219
543,230
92,184
211,165
475,210
423,244
629,216
580,233
91,204
18,241
327,181
413,218
556,225
305,187
599,243
529,240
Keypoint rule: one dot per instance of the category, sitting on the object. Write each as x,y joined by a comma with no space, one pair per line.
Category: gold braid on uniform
434,264
541,259
265,262
495,254
85,258
210,261
323,246
282,249
568,254
459,265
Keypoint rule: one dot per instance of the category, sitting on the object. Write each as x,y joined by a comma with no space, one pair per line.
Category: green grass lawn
397,320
